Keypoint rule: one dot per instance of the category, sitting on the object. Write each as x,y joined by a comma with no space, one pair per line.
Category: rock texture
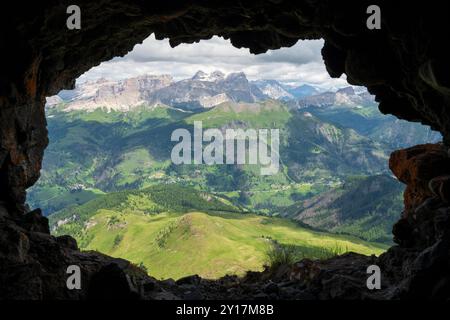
405,64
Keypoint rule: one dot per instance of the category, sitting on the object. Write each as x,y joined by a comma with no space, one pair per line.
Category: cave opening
116,178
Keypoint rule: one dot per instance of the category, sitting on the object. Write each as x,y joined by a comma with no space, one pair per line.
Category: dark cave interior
404,64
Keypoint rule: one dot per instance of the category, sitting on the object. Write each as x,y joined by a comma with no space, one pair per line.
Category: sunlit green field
174,245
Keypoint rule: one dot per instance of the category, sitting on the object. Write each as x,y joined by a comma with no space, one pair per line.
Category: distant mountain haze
202,90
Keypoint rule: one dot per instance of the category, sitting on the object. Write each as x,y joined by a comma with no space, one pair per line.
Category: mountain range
112,136
201,91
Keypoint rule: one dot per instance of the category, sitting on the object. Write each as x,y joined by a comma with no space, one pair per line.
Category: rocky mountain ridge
346,96
203,90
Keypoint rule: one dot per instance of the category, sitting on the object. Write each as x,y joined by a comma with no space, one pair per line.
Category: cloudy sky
299,64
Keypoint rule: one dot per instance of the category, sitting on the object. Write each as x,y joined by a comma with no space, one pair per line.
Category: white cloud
301,63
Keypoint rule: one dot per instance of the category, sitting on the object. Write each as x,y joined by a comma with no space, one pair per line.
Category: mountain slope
359,111
152,200
365,207
208,243
111,151
302,91
274,89
121,95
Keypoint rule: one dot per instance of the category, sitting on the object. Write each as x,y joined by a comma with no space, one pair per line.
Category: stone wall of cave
405,65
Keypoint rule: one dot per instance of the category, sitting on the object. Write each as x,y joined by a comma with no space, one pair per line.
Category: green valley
175,231
110,151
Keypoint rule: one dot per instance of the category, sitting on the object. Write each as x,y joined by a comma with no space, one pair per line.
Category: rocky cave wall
405,64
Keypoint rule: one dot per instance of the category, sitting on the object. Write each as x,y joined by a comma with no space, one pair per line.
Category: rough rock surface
405,64
33,265
416,167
